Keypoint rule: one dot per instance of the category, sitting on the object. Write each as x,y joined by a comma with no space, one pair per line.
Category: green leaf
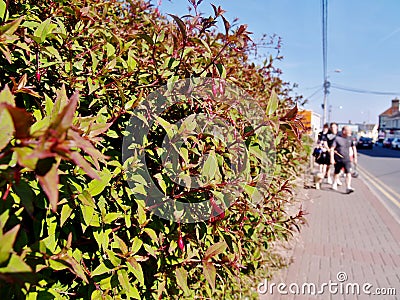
214,250
87,213
56,265
3,219
43,30
254,193
181,279
221,70
6,128
112,134
210,166
96,186
110,50
131,61
60,103
136,269
6,96
111,217
142,218
168,127
16,265
3,8
75,267
272,103
209,272
113,258
26,195
101,269
93,85
6,243
129,288
121,245
152,234
6,52
136,245
66,212
97,294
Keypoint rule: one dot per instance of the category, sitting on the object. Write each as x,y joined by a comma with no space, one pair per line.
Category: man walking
340,157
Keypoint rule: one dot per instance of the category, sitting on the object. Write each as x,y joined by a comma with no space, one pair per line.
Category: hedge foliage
72,74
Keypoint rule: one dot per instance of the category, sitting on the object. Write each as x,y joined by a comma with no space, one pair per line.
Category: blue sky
363,42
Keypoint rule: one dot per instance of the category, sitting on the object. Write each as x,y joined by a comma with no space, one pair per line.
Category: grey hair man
340,157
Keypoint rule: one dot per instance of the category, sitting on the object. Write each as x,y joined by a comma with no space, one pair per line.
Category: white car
396,143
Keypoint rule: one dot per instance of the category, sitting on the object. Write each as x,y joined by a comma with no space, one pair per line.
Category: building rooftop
389,112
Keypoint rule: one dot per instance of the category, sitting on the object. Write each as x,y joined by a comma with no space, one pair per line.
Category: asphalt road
380,168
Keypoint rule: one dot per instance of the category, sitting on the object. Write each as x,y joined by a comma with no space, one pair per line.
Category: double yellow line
393,196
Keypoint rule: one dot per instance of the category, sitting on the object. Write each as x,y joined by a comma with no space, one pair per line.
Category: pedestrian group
336,151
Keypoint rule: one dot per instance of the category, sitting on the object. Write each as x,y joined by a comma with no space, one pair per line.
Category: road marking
373,180
381,183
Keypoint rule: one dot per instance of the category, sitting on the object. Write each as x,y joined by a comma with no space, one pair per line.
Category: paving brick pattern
351,233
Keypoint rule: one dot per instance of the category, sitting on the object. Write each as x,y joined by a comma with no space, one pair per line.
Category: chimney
395,105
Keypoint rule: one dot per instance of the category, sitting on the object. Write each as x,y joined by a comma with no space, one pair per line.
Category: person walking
323,159
340,157
329,138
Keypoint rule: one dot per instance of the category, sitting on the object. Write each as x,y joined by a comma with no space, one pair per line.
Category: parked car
365,142
387,142
396,143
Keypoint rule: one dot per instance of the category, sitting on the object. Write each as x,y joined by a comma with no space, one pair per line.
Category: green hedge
73,73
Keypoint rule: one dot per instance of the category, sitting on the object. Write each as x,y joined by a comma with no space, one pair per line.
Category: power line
362,91
316,92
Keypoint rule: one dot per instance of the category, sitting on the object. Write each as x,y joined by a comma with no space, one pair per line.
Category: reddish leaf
181,279
181,25
27,90
227,25
215,250
49,184
209,272
86,146
22,120
98,129
64,120
10,28
81,162
291,114
73,266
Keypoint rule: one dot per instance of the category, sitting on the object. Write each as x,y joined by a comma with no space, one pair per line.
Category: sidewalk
351,233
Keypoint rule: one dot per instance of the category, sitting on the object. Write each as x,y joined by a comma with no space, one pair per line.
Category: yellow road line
373,181
381,183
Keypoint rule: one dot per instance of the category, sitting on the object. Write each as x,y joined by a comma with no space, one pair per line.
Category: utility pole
327,85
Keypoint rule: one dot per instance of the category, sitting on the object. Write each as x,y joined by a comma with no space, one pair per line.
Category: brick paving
351,233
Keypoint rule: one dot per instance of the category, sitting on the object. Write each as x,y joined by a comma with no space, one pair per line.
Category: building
389,120
311,122
368,130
